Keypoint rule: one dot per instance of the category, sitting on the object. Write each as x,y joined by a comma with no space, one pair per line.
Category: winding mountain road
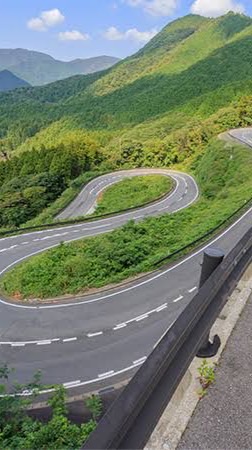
97,340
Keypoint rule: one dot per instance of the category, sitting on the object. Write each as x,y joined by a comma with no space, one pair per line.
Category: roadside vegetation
223,172
33,181
19,430
133,192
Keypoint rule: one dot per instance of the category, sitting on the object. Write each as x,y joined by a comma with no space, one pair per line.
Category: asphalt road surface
98,340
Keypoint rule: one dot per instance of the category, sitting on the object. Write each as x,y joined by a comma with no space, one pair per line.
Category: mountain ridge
192,69
38,68
9,81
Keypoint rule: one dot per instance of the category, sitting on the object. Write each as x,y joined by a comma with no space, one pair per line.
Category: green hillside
158,107
194,66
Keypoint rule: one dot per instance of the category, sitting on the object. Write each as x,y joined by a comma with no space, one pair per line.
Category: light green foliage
18,430
161,107
132,249
94,405
206,377
194,67
133,192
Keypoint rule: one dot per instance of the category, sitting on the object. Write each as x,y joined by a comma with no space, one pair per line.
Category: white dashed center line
193,290
99,333
178,299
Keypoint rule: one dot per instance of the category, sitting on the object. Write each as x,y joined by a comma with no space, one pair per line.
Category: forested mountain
39,68
159,107
8,81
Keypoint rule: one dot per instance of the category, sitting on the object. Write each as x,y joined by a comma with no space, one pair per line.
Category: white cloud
73,35
133,34
155,7
52,17
36,24
215,8
46,20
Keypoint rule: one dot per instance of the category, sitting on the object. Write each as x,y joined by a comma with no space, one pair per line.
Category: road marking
70,339
107,374
71,383
119,327
161,308
44,342
82,383
178,299
149,280
163,335
140,361
90,335
18,344
142,318
192,290
22,343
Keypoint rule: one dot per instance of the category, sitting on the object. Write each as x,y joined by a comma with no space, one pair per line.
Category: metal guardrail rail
133,416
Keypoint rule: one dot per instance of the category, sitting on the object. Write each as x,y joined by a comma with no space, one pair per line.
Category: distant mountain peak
9,81
38,68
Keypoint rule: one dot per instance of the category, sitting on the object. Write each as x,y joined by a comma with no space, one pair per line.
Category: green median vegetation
133,192
223,173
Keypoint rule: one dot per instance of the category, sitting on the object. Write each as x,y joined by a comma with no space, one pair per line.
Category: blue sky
68,29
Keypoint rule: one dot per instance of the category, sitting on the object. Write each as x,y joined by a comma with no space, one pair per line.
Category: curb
175,418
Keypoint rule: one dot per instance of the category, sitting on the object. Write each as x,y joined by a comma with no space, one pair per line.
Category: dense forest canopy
158,107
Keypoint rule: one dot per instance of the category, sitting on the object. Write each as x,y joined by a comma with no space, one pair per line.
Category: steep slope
194,67
39,68
8,81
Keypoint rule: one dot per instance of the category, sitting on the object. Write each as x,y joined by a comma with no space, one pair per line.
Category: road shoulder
219,418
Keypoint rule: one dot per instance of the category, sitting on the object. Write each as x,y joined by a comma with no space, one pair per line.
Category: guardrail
133,416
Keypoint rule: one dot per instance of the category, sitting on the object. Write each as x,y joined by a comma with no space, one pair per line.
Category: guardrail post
213,257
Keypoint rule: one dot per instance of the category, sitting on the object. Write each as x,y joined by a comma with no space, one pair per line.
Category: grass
133,192
48,215
224,176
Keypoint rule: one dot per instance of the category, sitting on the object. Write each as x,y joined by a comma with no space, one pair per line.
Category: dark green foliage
18,430
94,405
24,197
31,182
232,24
132,249
195,66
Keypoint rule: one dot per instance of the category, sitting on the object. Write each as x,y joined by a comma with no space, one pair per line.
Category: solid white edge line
71,383
149,280
160,339
106,374
83,383
146,316
140,360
